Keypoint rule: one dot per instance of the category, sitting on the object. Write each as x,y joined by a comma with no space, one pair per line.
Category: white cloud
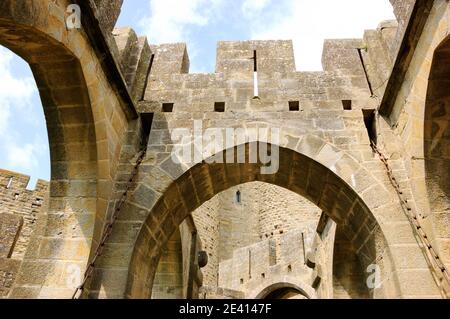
170,19
308,23
14,92
24,157
16,105
250,8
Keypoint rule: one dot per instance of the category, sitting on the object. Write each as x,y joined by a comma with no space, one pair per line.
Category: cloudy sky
199,23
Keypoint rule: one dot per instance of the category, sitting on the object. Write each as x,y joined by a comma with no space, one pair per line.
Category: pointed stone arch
276,284
323,174
437,146
80,139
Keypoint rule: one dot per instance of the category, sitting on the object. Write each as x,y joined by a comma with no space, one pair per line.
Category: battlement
19,182
353,70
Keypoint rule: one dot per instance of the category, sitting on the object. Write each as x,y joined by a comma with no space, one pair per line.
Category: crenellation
342,54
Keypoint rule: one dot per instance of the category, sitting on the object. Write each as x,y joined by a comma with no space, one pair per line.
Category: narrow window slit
8,186
238,197
167,107
255,76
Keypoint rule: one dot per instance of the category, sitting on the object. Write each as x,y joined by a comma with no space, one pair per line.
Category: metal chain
441,273
107,230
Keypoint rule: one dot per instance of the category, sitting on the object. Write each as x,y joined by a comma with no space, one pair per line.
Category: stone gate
108,95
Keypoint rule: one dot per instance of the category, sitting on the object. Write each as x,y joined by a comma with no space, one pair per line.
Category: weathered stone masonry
19,211
107,94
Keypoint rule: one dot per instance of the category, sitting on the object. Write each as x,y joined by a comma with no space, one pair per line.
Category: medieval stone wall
249,215
20,208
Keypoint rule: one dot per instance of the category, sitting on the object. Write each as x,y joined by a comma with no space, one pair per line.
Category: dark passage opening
294,106
255,62
167,107
219,107
370,122
285,293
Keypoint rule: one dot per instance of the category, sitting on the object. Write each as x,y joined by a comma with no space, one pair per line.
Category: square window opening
294,106
347,105
219,107
167,107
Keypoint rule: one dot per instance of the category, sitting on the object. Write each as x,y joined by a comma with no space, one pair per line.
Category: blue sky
199,23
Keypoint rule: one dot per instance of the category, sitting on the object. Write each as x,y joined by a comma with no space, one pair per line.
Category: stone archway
437,146
73,150
283,288
299,173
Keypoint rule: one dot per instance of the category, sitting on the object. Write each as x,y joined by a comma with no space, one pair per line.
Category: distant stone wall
19,211
206,219
265,213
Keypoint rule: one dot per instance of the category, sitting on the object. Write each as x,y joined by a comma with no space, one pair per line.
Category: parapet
170,59
343,54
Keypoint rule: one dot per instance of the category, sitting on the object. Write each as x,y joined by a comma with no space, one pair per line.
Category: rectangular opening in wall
347,104
371,125
167,107
294,106
219,107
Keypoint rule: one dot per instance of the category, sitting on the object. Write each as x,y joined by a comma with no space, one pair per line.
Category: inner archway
437,147
285,293
267,234
297,173
72,142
